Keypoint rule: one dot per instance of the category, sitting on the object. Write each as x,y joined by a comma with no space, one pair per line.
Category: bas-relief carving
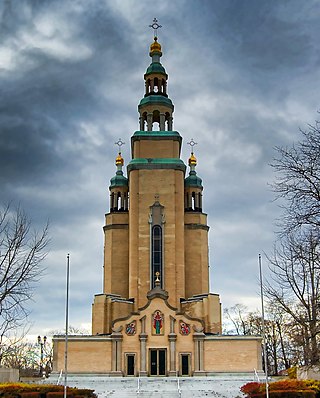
184,328
131,328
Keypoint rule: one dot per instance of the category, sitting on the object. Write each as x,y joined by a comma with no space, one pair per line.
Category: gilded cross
192,143
119,143
155,26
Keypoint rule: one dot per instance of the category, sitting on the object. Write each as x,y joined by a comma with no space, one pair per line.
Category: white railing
59,378
256,376
178,385
138,386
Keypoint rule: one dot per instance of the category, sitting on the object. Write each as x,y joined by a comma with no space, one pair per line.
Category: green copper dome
193,180
155,67
156,99
119,180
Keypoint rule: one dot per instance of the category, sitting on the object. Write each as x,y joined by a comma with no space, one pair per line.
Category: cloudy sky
244,76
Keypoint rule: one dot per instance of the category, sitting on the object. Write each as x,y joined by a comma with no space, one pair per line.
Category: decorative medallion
184,328
157,323
131,328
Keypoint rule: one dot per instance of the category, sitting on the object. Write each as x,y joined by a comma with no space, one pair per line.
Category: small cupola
193,184
119,185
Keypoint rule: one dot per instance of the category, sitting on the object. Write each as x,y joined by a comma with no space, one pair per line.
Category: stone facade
156,315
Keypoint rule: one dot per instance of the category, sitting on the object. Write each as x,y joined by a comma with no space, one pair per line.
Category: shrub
21,390
288,385
283,388
30,394
56,394
286,394
251,388
292,372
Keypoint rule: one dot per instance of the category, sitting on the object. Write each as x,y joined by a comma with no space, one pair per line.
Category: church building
156,315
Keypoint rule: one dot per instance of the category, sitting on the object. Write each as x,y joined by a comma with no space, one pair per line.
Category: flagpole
263,330
66,331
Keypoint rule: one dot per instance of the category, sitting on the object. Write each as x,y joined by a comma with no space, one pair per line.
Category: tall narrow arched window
156,255
157,267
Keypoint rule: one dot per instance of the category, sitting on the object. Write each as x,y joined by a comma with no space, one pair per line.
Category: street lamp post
41,343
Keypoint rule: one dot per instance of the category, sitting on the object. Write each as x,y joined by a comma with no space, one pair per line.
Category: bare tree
72,330
22,251
298,181
237,315
28,357
294,285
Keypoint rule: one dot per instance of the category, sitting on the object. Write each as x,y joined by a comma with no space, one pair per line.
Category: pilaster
198,339
116,354
143,337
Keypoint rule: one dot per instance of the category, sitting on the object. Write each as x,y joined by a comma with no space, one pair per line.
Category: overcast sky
243,76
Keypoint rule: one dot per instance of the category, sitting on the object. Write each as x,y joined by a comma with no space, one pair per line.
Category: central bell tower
156,186
156,234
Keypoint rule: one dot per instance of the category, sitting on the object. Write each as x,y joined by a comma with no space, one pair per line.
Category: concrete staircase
218,386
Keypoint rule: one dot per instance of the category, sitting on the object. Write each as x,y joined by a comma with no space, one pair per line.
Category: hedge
293,388
286,394
22,390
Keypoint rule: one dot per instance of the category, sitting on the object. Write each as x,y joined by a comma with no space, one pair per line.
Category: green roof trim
157,133
156,163
156,99
193,180
119,180
155,67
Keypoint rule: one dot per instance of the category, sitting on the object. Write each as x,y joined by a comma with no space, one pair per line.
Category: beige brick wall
227,354
84,355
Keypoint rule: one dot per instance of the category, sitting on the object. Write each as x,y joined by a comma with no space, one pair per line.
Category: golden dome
155,47
192,160
119,160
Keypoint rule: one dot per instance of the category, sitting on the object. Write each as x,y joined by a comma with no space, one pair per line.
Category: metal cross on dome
192,143
119,143
155,26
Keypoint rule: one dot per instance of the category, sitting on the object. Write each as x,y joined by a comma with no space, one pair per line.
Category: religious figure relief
131,328
157,323
184,328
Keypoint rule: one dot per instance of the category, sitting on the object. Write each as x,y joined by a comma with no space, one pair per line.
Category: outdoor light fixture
42,343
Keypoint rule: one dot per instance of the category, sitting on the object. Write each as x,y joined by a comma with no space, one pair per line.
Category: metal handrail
178,384
256,376
59,378
138,387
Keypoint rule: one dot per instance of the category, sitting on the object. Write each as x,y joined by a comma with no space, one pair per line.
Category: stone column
162,121
170,123
149,121
143,337
141,122
190,201
111,201
198,339
196,201
116,354
122,201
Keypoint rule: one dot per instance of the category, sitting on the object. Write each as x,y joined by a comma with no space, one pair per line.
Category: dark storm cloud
42,107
